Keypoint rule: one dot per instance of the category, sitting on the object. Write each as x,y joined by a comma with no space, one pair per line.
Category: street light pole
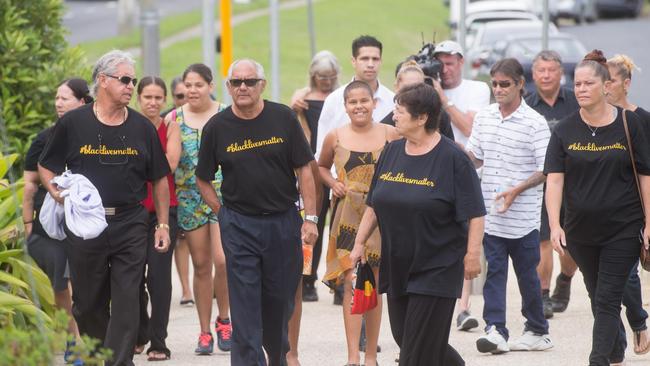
545,26
209,37
275,50
149,20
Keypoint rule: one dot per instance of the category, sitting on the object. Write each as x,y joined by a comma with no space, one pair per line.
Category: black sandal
187,302
155,354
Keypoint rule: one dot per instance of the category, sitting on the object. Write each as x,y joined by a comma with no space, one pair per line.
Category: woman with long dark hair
49,253
152,93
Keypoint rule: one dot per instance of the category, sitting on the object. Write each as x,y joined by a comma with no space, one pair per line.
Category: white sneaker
530,341
492,342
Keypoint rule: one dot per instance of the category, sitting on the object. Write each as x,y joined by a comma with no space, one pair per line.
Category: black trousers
158,281
420,325
606,269
264,265
105,272
318,246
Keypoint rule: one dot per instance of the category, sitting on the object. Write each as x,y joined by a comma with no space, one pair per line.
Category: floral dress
192,210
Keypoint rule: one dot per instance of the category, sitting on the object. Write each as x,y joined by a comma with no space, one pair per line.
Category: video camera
430,65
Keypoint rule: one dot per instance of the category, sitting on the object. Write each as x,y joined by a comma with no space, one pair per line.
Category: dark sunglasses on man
236,83
502,83
124,79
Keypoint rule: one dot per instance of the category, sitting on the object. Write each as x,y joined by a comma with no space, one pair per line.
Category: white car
475,7
489,34
474,22
578,10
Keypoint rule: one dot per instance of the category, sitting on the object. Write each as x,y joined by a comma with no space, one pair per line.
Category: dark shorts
544,228
51,257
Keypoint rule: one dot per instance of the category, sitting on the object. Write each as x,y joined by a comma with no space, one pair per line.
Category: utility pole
275,50
149,22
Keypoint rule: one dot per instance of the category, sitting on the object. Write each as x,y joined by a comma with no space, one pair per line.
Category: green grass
337,23
168,27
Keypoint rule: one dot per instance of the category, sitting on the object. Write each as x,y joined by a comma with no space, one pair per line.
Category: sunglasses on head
502,83
179,96
124,79
249,82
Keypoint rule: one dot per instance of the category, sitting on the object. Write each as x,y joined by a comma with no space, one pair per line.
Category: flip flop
138,349
157,356
641,342
187,302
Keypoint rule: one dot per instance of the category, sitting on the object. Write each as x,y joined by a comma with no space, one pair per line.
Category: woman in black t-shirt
620,70
426,199
49,253
588,154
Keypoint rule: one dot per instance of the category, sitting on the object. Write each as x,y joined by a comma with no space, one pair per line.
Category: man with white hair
260,147
118,150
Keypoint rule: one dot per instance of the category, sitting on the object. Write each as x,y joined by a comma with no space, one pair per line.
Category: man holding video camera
461,99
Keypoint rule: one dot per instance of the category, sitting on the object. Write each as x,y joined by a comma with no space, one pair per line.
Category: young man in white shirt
509,141
366,61
461,99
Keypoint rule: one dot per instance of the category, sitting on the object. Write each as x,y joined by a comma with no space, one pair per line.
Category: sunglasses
325,77
113,159
502,83
249,82
124,79
179,96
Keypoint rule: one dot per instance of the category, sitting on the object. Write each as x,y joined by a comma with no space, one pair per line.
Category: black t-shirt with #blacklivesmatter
257,158
600,195
564,106
444,128
118,160
31,165
423,204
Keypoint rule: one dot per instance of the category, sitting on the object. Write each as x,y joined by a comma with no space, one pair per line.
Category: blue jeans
634,311
525,257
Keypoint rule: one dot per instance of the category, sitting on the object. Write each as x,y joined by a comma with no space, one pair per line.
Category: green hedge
34,59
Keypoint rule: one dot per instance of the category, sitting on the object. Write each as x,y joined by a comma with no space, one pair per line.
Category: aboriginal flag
365,290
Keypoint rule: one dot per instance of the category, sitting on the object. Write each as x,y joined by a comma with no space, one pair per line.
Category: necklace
96,111
593,130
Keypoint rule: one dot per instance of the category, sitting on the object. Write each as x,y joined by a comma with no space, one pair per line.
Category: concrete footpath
322,339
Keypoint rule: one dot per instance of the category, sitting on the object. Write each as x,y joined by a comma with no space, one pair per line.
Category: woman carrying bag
589,155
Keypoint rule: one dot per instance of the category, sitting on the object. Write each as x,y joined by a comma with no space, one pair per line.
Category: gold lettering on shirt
400,178
249,144
577,146
103,150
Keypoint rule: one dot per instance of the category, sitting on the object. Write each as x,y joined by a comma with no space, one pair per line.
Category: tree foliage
34,59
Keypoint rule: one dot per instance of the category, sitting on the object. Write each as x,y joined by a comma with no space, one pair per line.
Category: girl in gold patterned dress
353,149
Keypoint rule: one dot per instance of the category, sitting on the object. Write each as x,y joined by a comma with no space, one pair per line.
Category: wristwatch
312,218
449,104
